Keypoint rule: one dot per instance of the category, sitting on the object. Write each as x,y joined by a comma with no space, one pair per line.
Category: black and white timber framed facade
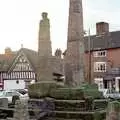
20,73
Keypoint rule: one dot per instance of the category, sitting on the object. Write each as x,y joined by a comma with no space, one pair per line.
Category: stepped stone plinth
69,103
113,111
21,111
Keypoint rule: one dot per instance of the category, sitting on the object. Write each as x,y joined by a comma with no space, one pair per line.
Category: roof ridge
28,49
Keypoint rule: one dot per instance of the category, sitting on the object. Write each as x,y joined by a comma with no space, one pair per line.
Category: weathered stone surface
21,111
44,71
74,65
47,64
91,90
42,108
67,94
4,102
41,89
44,43
113,111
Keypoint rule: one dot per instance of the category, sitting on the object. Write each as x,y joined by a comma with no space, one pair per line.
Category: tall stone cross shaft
44,42
74,65
44,72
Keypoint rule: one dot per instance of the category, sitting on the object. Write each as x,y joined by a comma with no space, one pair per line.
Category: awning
108,78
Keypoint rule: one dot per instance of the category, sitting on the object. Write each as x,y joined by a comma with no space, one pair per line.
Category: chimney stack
102,28
8,51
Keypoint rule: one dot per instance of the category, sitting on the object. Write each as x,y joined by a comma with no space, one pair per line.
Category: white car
111,94
9,95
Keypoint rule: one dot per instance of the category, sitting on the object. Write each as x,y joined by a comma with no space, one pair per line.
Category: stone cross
44,43
74,58
44,71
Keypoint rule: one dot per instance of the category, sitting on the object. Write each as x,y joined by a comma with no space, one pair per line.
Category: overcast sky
19,20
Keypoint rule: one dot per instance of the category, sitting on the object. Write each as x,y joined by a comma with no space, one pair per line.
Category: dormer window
100,53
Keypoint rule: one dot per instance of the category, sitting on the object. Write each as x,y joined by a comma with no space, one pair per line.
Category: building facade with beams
104,56
17,69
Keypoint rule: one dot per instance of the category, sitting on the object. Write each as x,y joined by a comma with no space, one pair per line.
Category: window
100,67
15,94
99,82
22,67
100,53
8,94
22,60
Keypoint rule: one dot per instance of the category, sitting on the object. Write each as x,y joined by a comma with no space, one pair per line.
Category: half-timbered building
17,70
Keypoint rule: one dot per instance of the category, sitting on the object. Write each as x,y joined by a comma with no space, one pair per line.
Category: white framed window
100,66
100,53
99,82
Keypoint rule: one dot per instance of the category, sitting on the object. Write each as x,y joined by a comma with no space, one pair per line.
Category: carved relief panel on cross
76,6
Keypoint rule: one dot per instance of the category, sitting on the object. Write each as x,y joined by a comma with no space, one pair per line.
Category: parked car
11,94
108,93
22,91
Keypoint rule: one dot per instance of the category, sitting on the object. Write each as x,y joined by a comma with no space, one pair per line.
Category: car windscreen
1,93
23,92
9,94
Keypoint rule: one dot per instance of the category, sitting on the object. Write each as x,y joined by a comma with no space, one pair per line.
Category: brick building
104,53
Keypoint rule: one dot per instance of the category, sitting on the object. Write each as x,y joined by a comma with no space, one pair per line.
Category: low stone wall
4,102
113,111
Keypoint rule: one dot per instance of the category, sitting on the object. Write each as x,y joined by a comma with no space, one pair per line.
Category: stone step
79,105
56,118
70,105
87,115
73,115
70,108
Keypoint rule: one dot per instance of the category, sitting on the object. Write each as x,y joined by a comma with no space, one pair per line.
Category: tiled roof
32,56
5,61
105,41
112,73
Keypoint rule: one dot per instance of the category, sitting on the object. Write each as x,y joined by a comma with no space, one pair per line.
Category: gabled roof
31,56
110,40
7,62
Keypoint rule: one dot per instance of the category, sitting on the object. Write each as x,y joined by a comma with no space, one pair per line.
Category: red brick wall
112,59
114,56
